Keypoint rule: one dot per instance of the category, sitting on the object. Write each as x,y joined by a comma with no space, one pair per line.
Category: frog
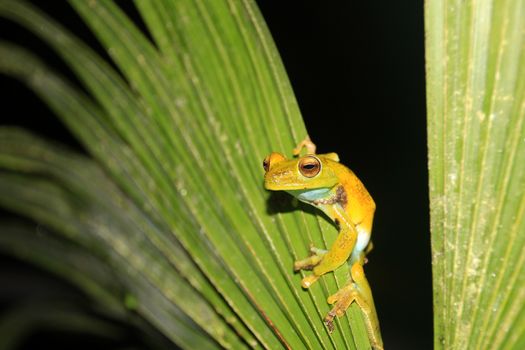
322,181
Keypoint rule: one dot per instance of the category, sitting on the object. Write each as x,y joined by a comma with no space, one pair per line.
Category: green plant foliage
171,205
476,126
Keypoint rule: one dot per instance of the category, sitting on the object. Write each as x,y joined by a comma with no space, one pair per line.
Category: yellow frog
320,180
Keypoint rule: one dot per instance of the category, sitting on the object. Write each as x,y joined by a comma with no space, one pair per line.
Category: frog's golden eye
266,163
309,166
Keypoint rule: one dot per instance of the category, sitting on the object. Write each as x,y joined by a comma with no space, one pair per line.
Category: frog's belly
363,237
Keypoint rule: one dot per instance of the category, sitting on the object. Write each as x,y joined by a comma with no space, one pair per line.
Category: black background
357,69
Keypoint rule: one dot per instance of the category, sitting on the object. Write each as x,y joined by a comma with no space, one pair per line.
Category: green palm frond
476,107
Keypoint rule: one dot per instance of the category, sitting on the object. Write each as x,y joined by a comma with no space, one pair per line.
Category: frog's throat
323,196
310,196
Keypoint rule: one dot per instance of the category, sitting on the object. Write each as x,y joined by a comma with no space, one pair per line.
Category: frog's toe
316,255
339,295
329,322
342,300
317,251
308,281
300,265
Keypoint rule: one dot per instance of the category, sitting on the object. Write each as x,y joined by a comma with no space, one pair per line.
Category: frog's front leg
322,261
306,143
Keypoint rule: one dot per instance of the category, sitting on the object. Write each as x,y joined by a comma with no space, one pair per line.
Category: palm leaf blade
476,105
182,128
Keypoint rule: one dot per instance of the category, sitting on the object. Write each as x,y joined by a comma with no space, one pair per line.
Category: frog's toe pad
308,281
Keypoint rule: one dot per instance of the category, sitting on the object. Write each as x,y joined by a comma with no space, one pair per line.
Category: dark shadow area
281,202
44,311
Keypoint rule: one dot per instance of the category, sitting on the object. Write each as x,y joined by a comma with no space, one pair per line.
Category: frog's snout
277,179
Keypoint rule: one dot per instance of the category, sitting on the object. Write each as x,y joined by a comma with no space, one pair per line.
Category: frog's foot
315,257
368,249
357,290
342,300
306,143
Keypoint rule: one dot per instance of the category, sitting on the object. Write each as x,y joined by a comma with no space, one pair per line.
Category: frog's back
359,205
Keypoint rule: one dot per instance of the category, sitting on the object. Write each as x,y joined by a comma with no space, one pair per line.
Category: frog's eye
309,166
271,160
266,163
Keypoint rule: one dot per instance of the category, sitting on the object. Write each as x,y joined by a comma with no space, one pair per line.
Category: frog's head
303,173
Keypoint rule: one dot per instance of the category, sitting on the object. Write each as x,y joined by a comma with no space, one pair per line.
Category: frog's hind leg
356,290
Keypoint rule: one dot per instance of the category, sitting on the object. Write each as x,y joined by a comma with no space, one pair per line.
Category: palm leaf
476,108
173,200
